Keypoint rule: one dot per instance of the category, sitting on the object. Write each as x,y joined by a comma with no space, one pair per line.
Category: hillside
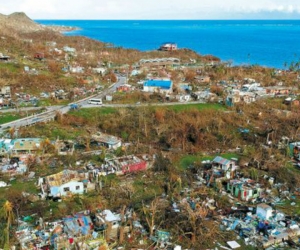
17,23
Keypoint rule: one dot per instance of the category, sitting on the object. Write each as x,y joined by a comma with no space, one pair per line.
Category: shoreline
235,62
61,28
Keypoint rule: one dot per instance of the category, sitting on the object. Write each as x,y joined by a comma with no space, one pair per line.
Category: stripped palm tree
8,215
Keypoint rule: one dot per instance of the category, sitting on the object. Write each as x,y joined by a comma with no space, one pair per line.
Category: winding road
52,111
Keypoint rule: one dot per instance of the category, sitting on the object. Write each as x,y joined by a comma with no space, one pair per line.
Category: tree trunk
121,237
108,231
193,238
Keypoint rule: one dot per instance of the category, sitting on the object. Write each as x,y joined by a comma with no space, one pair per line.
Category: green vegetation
9,117
188,160
17,185
25,186
199,107
91,113
52,131
289,207
12,67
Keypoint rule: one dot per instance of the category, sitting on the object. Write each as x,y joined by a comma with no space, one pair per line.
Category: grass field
187,160
12,67
8,117
198,106
93,112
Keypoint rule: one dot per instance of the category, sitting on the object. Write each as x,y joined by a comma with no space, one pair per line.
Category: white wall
72,186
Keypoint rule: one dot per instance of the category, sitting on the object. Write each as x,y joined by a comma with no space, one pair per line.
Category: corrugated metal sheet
221,160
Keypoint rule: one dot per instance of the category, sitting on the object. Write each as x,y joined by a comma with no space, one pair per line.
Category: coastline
202,37
61,28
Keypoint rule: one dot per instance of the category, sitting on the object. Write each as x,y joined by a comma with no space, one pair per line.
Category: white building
264,211
64,183
72,187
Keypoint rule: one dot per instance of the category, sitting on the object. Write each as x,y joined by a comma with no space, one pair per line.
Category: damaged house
123,165
228,166
108,141
65,183
244,189
19,146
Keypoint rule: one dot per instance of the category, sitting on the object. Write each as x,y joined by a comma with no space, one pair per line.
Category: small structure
293,102
25,145
154,85
244,189
185,87
5,91
4,57
264,211
108,98
108,141
64,147
107,217
99,70
168,46
76,69
202,79
236,96
13,168
127,164
124,88
294,149
159,62
68,49
79,224
63,183
19,146
39,55
228,166
279,90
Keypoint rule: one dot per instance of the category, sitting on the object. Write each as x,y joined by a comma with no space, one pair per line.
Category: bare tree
150,213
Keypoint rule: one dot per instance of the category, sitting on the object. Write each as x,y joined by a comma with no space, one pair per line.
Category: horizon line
247,19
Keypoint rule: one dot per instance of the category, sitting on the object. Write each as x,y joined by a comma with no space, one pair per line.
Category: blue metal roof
221,160
163,84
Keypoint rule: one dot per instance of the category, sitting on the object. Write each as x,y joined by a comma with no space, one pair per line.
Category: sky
154,9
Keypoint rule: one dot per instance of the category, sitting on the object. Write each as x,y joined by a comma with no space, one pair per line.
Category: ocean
270,43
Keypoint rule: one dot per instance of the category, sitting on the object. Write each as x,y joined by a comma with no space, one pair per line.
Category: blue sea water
271,43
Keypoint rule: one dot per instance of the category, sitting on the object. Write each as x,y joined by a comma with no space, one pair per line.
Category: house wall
134,167
156,89
245,194
5,90
264,212
115,146
60,191
75,188
150,89
278,91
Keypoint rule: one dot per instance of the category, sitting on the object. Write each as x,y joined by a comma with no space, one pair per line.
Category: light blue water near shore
268,43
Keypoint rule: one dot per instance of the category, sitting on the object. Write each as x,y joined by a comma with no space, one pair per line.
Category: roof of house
6,144
163,84
168,43
124,161
221,160
62,177
78,224
109,139
26,143
20,144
